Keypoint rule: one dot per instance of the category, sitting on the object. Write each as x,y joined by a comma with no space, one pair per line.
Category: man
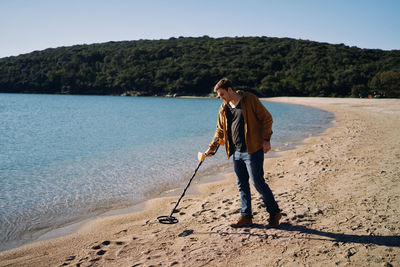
246,126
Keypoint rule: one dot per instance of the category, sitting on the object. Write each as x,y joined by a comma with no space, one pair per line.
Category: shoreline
203,176
195,188
142,238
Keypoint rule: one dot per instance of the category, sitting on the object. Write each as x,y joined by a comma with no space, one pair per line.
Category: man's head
224,89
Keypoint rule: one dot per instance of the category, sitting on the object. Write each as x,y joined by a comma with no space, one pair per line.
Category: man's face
224,94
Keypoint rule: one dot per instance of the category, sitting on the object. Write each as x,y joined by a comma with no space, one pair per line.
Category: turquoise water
66,158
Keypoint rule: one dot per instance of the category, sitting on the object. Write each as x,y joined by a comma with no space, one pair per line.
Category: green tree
387,83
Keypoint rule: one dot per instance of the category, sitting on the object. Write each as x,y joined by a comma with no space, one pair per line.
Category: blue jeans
251,165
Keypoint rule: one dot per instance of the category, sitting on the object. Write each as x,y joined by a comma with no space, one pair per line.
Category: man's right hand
209,152
266,146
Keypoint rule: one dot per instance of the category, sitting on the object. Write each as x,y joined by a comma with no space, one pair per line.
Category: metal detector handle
202,156
220,143
213,153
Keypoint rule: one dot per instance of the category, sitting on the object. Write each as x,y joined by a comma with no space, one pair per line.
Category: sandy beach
339,192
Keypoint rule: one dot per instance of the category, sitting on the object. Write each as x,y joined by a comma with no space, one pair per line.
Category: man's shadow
389,241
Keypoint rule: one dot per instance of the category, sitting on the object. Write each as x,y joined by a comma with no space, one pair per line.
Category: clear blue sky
28,25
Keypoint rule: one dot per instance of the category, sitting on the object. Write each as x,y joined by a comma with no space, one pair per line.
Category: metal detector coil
201,156
167,219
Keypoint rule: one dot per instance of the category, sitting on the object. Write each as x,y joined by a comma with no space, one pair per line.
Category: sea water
67,158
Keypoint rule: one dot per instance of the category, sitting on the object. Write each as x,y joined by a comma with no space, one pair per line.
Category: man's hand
209,152
266,146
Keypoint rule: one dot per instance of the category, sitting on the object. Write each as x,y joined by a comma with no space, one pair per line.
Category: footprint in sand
68,260
122,232
99,250
95,259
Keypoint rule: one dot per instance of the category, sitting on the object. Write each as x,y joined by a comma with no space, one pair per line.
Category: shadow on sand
389,241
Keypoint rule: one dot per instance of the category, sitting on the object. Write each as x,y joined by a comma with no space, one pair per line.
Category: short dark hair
224,83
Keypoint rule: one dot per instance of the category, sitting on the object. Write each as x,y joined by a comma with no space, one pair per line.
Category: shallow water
67,158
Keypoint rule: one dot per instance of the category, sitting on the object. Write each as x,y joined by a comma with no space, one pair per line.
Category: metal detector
200,156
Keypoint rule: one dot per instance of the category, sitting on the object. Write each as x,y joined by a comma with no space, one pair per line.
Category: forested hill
191,66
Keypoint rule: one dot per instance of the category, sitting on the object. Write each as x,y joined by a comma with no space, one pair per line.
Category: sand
339,191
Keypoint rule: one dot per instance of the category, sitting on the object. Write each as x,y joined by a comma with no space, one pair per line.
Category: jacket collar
242,96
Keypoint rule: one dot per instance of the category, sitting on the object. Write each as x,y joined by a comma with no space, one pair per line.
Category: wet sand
340,193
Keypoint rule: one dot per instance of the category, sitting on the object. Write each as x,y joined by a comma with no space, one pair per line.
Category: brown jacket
257,124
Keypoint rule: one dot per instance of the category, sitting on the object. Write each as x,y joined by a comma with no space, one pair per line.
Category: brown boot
274,220
243,221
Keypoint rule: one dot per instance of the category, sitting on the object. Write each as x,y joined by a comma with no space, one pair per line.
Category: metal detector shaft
201,157
184,191
187,186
